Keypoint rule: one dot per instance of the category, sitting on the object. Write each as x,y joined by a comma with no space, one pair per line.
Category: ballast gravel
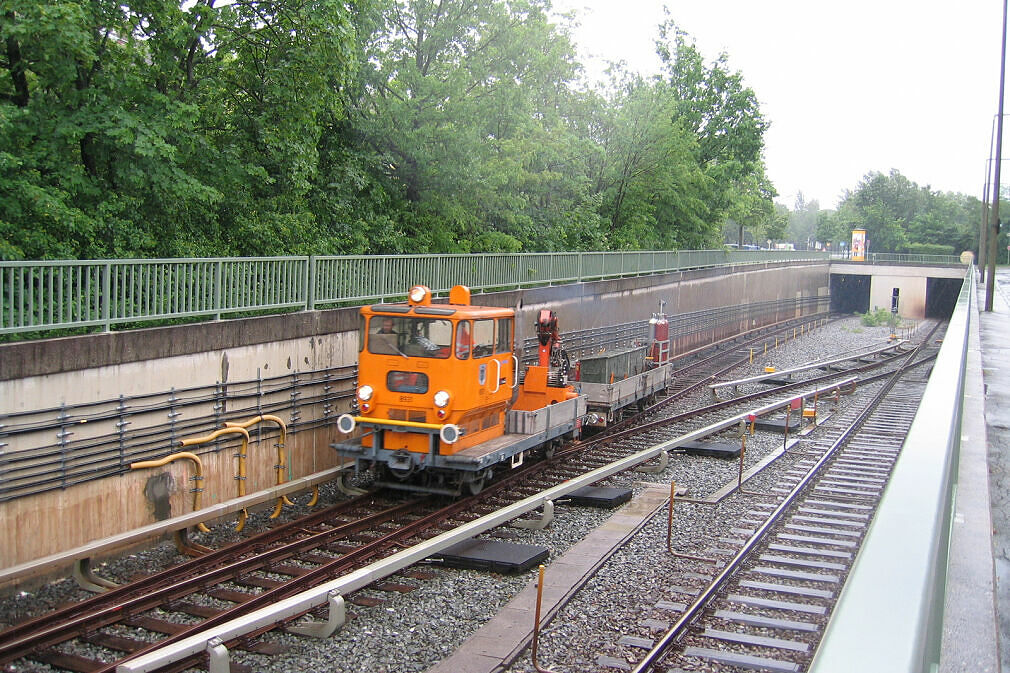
415,630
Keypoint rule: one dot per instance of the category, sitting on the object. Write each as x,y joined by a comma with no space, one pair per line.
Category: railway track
773,583
281,562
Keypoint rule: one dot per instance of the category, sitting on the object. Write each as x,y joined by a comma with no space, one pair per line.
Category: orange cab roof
438,310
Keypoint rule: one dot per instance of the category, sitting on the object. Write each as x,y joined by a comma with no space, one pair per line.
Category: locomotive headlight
365,393
441,398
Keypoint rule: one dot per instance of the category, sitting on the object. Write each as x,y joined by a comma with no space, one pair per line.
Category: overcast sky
848,87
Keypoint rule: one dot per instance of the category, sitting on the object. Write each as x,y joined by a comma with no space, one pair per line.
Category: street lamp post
994,227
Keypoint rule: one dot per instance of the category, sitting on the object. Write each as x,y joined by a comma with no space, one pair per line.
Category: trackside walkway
972,642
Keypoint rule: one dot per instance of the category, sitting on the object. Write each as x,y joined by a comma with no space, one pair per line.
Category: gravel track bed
412,631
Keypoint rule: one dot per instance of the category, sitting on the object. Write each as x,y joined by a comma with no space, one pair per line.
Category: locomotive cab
434,379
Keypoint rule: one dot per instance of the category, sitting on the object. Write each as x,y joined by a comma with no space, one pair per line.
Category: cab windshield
409,337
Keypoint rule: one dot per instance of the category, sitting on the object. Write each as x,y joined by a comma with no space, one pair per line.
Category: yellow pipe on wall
198,477
281,457
241,477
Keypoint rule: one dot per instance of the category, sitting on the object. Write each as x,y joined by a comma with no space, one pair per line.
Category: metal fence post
310,283
218,273
106,297
382,279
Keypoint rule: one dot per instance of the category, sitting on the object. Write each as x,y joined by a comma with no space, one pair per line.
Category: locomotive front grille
412,415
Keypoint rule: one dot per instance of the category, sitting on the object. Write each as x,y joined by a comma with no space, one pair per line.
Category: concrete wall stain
158,491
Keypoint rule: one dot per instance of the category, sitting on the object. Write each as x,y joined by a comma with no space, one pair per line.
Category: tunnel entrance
941,296
850,293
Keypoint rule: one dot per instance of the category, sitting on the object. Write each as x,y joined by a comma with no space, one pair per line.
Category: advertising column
858,245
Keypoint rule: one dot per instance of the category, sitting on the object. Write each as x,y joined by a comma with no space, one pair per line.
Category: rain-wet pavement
994,334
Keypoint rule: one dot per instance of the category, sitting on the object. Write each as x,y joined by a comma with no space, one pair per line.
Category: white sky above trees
849,88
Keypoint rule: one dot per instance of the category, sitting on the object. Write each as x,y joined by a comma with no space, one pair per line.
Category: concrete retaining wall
47,374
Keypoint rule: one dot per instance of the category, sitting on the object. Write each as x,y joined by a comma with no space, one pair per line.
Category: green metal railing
905,258
40,296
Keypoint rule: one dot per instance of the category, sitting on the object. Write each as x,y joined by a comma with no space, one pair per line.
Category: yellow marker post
536,623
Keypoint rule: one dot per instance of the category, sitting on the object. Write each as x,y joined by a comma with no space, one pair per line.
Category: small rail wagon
617,379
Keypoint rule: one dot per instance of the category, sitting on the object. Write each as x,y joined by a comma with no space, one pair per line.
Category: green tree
711,103
163,128
899,215
462,101
753,209
776,226
651,188
803,222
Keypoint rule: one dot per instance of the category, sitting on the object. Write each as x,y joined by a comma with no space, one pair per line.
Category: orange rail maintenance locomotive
441,399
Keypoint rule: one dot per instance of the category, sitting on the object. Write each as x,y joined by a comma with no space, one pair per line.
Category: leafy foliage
879,317
167,128
154,128
900,216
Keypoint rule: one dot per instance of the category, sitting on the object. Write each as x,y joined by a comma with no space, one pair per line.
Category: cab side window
503,344
463,341
483,338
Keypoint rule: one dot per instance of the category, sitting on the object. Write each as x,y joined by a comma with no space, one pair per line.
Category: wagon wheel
476,485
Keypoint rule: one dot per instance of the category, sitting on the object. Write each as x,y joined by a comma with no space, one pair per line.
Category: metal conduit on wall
62,461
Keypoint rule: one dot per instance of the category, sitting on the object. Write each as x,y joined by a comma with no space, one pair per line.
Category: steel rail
820,364
56,562
330,567
155,590
799,385
689,372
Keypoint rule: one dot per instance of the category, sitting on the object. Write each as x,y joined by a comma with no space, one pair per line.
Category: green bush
930,249
878,317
